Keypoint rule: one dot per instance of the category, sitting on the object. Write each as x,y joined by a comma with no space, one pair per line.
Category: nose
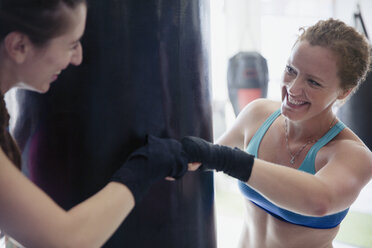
295,86
77,56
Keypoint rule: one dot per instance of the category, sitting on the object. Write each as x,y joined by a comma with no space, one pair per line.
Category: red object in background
245,96
247,78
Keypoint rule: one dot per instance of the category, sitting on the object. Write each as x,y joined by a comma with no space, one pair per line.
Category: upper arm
346,173
247,123
26,213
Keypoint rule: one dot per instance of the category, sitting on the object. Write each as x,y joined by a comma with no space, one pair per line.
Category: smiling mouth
294,101
55,76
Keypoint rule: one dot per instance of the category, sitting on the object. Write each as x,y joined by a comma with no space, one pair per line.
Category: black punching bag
247,78
356,112
145,71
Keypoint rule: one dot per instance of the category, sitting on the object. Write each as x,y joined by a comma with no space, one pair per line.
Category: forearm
93,221
98,217
31,217
89,224
35,220
290,189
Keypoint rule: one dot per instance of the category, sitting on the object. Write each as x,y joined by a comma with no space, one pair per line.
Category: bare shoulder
350,151
247,122
255,113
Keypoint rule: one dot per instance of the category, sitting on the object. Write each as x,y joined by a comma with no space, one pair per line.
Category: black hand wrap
233,162
158,159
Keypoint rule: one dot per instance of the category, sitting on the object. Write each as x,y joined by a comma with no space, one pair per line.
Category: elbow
62,241
70,237
320,210
60,233
80,239
320,206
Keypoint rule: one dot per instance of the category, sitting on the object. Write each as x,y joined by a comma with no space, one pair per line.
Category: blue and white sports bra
308,165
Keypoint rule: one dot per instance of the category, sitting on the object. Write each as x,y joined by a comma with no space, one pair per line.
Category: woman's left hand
194,166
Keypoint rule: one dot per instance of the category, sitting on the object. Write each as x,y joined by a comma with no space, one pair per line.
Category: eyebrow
76,41
315,77
308,75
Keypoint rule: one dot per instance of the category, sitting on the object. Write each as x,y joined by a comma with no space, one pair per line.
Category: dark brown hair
7,143
40,20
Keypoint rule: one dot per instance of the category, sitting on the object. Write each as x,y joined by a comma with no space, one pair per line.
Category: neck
7,72
310,130
6,79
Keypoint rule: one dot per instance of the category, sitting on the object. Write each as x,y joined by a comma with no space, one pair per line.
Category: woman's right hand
158,159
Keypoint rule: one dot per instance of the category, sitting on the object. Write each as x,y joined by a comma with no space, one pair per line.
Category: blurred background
240,28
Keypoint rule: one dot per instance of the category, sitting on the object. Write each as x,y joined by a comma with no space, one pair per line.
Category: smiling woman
308,167
36,64
38,40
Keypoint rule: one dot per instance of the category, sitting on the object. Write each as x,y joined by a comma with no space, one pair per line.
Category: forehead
75,19
314,60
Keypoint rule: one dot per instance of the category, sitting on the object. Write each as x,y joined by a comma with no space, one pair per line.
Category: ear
344,93
17,46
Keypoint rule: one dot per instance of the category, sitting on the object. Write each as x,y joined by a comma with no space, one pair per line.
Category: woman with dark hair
301,168
38,40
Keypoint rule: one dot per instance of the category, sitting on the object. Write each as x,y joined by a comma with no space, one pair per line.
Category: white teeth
295,102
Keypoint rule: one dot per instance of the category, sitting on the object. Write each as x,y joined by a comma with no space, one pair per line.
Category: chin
41,89
283,110
44,88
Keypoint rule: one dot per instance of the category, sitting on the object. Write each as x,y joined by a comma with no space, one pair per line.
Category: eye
290,70
75,45
313,83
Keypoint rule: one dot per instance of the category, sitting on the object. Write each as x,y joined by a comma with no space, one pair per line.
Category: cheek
322,100
333,98
284,83
283,87
284,91
286,79
58,60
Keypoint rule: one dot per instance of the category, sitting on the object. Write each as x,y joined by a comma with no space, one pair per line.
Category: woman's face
310,83
45,64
